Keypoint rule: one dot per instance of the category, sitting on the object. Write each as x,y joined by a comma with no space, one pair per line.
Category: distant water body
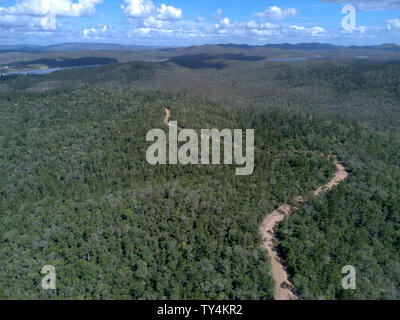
289,59
294,59
44,71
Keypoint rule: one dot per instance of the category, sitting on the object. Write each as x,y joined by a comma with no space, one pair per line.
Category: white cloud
276,13
313,31
370,5
152,22
97,32
200,19
138,8
217,15
225,22
169,13
250,29
252,24
40,8
11,21
29,13
143,9
148,19
88,32
179,31
393,24
360,29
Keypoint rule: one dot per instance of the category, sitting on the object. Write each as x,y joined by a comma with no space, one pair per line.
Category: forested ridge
77,193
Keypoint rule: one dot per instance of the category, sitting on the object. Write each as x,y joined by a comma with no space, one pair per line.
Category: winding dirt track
167,116
284,288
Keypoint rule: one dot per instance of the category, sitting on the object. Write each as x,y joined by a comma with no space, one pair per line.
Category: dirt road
284,288
167,116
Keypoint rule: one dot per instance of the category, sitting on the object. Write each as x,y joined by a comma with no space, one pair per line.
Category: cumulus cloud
217,15
148,24
143,9
393,24
313,31
370,5
169,13
30,13
88,32
10,21
152,22
40,8
252,28
359,29
138,8
178,31
276,13
97,32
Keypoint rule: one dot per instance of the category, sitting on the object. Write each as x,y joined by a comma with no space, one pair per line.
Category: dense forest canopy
77,193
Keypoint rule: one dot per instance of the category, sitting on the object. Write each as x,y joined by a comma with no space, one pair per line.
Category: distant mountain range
314,46
71,47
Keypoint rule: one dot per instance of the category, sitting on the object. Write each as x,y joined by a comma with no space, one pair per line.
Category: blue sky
185,22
